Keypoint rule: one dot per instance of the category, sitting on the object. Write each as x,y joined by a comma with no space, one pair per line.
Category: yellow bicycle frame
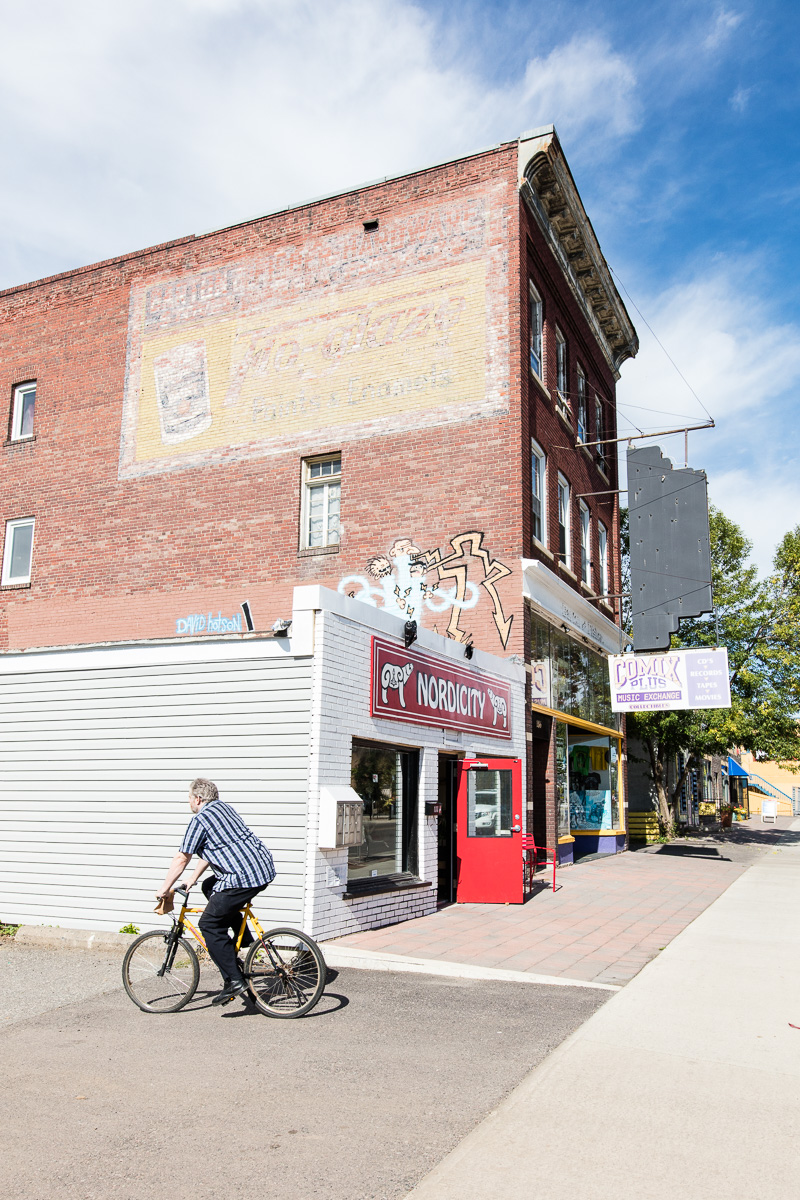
247,915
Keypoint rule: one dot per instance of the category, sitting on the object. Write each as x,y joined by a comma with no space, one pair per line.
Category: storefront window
593,781
579,679
562,781
385,777
562,671
488,803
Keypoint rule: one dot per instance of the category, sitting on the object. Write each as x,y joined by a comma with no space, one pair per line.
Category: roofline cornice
550,195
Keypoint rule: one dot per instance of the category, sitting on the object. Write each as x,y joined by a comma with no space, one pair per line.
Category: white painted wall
97,750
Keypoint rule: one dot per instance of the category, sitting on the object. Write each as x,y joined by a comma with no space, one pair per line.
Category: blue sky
126,124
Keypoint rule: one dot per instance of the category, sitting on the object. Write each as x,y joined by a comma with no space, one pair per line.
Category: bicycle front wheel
159,976
285,972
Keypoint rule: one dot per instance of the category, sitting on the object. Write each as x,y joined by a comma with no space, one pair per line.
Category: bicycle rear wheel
285,972
158,976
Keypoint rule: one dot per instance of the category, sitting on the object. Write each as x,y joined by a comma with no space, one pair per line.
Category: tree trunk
659,776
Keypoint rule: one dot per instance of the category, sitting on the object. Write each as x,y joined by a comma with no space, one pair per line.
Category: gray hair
204,790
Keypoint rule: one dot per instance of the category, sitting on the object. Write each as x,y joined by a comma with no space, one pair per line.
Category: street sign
679,679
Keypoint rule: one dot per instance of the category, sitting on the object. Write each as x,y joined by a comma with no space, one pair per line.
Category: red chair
533,856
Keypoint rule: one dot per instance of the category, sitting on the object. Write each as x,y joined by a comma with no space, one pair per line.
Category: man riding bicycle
242,867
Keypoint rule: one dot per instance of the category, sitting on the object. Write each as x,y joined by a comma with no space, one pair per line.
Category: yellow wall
779,777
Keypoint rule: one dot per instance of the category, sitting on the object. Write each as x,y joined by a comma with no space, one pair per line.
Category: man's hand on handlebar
176,887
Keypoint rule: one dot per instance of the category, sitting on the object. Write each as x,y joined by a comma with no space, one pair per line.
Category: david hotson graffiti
407,581
196,623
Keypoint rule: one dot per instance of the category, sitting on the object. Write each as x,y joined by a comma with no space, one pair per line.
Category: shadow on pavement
322,1009
679,851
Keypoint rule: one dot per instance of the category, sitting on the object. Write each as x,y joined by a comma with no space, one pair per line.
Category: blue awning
735,769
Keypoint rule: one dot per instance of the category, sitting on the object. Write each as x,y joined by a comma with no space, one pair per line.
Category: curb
373,960
52,937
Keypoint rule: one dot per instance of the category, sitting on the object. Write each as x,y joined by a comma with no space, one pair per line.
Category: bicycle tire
285,972
160,993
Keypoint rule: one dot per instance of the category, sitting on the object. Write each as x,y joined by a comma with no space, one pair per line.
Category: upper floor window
18,551
602,545
586,544
536,331
563,521
561,364
538,491
582,423
322,488
22,411
599,427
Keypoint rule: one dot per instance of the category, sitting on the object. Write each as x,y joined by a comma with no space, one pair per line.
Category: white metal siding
95,765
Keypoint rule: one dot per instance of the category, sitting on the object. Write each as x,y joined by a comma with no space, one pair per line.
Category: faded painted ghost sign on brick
249,357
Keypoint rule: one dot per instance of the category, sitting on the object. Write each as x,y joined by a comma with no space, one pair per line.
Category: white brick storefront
340,711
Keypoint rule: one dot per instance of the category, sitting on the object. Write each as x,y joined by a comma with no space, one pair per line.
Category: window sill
587,451
588,591
602,470
20,441
315,550
542,548
540,384
15,587
567,571
608,607
356,888
566,419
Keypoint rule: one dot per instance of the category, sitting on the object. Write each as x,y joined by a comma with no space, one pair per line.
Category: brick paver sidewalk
606,919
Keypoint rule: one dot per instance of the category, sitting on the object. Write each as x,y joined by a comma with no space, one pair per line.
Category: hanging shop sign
408,685
540,682
680,679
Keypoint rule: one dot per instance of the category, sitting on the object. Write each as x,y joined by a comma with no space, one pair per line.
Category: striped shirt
219,835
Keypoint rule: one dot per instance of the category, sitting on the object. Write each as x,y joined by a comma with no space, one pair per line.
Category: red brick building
404,392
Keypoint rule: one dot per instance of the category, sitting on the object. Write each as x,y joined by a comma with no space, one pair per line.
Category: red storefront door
489,841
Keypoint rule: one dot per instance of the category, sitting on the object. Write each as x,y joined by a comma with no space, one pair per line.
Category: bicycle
284,968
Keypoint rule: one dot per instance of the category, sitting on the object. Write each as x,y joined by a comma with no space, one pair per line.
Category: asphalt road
357,1101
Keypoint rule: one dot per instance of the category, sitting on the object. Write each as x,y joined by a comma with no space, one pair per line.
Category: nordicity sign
679,679
423,689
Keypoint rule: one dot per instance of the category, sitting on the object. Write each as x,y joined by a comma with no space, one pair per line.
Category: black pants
224,909
236,920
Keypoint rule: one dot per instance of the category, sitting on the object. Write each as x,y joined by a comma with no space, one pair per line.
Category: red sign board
408,685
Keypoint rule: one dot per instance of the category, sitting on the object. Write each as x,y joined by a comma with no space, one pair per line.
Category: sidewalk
605,921
685,1084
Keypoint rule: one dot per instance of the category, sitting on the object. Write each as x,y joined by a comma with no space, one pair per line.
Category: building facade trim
546,590
548,189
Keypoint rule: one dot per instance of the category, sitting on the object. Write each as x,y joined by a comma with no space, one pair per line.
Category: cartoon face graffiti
408,580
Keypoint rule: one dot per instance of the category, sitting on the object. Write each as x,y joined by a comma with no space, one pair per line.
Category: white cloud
763,502
740,99
725,22
745,367
587,84
129,123
722,336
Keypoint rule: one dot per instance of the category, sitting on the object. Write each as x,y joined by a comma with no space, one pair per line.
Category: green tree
759,623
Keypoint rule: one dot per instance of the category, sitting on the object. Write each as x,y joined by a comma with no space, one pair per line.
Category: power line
663,412
661,343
